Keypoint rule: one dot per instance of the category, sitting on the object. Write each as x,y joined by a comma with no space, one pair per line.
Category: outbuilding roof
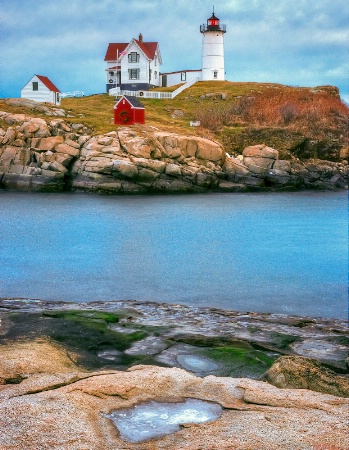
132,100
48,83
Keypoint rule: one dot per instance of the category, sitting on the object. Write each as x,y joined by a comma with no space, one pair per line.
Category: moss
240,362
84,333
283,340
71,314
341,340
209,341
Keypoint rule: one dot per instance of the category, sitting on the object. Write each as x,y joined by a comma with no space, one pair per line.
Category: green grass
96,111
249,115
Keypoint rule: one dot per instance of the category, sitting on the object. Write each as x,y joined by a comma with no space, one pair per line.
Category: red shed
128,111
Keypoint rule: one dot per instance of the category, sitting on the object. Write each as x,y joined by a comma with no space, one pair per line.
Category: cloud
288,41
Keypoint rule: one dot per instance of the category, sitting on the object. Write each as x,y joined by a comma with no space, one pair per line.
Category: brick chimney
140,38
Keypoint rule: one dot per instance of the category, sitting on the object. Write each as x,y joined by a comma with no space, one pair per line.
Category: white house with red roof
41,89
133,66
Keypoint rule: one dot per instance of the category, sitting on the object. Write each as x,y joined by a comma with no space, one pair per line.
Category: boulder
209,150
67,149
260,151
47,144
151,164
9,137
173,170
98,165
235,165
170,146
229,186
133,144
7,155
297,372
254,182
146,177
125,169
282,165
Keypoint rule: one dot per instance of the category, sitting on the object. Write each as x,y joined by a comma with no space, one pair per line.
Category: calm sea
271,252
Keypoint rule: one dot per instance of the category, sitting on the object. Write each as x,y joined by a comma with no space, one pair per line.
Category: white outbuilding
41,89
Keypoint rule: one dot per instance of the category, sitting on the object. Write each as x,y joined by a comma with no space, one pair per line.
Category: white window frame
133,74
133,57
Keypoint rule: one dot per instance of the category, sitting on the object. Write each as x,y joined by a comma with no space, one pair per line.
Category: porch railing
117,92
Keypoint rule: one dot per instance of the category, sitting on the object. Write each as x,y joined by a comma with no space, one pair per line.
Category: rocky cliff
51,154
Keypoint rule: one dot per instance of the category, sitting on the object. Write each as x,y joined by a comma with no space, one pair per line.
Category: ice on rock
196,363
154,419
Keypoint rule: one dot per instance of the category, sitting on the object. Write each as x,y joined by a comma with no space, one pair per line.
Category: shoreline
68,369
157,327
38,305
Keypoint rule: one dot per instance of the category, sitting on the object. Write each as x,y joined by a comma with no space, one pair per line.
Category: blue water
271,252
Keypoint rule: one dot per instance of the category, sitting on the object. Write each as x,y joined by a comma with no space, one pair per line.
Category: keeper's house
41,89
128,111
133,66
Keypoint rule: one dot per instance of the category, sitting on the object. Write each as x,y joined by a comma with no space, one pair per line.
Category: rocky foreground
51,154
64,367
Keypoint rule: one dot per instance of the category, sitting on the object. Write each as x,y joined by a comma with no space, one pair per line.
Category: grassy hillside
305,122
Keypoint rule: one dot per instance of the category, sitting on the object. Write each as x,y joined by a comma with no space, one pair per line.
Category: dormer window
133,57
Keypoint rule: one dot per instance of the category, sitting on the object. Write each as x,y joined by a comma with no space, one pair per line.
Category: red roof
149,48
114,49
48,83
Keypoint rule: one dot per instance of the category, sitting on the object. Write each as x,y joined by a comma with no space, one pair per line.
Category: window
35,85
155,58
183,76
155,74
133,74
57,97
215,74
133,57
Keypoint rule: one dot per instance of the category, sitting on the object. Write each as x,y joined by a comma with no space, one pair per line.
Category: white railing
116,92
185,86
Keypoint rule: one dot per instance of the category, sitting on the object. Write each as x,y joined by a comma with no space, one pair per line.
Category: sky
292,42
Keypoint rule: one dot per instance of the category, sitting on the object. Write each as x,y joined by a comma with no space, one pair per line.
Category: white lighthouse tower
212,49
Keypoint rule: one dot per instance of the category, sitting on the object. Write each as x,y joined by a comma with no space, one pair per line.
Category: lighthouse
212,49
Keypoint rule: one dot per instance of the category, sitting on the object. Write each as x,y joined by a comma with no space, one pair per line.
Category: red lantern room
213,22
